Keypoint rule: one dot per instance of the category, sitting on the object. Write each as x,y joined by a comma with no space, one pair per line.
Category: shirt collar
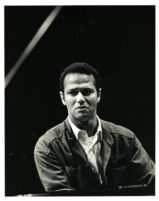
76,130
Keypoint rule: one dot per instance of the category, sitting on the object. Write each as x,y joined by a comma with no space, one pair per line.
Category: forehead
78,79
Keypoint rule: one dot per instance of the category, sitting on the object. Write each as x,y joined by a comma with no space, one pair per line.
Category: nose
80,98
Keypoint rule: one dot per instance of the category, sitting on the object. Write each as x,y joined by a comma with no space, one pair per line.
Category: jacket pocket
118,176
117,161
74,175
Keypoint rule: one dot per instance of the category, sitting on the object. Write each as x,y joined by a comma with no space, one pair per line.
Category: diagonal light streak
38,35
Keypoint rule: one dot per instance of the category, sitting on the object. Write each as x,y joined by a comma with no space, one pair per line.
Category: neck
89,125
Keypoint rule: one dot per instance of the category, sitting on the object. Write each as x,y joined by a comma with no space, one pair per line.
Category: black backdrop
119,41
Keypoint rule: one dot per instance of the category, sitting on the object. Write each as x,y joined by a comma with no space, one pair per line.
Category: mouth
82,108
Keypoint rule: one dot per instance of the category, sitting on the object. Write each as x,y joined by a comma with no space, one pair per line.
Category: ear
99,95
62,98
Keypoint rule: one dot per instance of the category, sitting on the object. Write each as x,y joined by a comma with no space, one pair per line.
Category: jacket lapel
106,147
75,145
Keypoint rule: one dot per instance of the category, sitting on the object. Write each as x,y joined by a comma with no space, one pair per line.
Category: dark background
119,41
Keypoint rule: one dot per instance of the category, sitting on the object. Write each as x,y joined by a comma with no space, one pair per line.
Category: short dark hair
83,68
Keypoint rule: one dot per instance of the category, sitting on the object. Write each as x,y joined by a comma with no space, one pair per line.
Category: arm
142,167
50,170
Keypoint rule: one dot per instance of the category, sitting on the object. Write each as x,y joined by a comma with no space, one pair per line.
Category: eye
87,92
73,92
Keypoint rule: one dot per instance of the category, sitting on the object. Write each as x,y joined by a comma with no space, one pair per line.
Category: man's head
80,91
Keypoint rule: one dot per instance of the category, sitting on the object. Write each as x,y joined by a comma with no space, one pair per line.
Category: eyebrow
74,89
80,89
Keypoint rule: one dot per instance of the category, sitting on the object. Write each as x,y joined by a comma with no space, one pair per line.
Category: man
85,152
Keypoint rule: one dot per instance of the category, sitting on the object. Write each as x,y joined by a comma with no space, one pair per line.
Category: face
80,96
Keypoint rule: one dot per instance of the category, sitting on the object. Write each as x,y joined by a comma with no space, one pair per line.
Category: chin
83,117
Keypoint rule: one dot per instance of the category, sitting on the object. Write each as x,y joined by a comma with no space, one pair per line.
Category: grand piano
134,190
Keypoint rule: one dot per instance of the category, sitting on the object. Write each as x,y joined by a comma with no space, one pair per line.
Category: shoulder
49,137
116,129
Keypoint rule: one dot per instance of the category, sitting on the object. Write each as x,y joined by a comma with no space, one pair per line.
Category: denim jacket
62,163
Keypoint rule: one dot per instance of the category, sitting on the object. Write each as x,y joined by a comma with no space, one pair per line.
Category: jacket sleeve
142,166
50,170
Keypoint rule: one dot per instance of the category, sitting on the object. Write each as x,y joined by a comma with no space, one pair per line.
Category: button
94,170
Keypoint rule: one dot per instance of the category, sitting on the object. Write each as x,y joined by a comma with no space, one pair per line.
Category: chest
80,172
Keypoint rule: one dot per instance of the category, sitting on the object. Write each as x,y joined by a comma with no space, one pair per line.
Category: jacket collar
76,130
